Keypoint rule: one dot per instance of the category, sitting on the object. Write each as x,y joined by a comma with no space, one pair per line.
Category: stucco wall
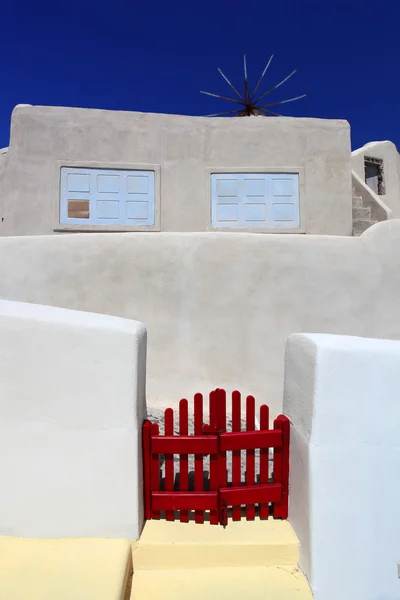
184,148
342,397
218,307
72,402
3,163
386,151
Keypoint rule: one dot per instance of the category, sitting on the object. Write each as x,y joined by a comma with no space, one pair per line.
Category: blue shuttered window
255,200
106,197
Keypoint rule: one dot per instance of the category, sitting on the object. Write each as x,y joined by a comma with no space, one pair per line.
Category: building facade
72,169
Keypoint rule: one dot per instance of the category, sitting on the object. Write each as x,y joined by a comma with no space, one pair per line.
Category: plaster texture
378,209
72,402
249,559
387,152
342,397
173,545
184,150
218,307
252,583
66,569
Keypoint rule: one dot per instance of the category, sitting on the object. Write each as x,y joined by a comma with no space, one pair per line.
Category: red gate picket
213,439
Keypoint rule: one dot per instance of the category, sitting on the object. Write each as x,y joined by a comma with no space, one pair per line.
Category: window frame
256,170
83,227
378,163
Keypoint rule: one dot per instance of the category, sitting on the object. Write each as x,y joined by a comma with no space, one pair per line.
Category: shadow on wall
341,395
218,307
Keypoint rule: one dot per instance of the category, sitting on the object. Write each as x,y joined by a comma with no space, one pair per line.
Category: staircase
249,560
362,219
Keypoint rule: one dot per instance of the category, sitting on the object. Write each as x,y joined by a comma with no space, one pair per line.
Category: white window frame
255,170
87,227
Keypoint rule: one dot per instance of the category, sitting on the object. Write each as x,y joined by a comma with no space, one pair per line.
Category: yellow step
64,569
255,583
173,545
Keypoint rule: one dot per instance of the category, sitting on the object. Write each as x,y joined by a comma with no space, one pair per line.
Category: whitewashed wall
218,307
72,401
342,395
388,153
182,150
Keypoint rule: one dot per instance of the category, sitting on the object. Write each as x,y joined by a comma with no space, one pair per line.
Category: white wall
218,307
182,150
342,395
387,152
72,401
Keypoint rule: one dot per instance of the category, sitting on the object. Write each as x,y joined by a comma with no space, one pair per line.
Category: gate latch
223,516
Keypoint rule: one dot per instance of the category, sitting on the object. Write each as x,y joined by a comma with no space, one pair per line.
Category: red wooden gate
256,492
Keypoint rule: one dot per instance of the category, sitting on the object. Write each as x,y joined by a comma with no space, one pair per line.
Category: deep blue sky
155,56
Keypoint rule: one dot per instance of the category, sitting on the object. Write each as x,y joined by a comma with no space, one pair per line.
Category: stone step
173,545
362,225
357,202
361,213
246,583
62,569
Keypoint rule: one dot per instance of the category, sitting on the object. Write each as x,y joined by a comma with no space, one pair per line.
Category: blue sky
156,56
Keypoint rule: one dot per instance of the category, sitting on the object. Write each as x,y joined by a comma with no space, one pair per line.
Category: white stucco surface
183,151
342,397
72,401
380,211
387,152
218,307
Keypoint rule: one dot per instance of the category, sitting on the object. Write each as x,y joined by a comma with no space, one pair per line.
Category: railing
379,210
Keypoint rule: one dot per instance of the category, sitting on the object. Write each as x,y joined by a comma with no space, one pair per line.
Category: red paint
221,407
169,460
185,444
146,444
185,501
198,458
250,494
222,475
212,439
236,466
264,456
250,455
184,459
214,515
155,467
251,439
281,467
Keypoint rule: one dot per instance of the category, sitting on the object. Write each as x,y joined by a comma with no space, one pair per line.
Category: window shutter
106,197
284,198
226,201
255,201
